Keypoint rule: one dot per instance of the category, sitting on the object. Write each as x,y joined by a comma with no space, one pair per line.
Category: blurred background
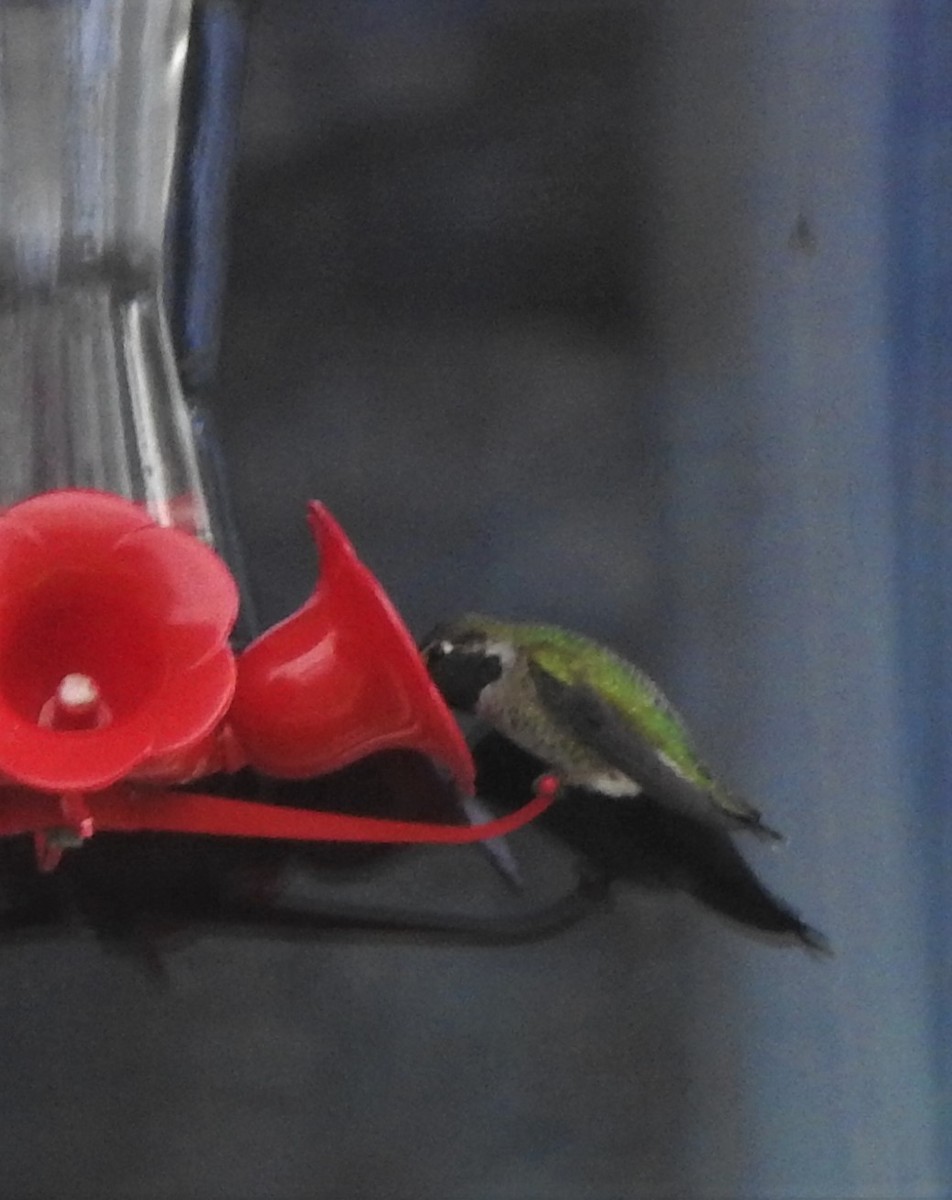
632,316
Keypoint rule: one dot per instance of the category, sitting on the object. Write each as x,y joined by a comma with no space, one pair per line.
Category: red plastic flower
115,670
340,678
114,657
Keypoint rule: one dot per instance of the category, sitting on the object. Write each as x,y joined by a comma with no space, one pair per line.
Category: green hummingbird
596,720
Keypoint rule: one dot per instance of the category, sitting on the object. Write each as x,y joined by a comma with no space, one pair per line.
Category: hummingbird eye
437,650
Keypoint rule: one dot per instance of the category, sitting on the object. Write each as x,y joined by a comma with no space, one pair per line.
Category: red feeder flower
115,673
340,679
114,657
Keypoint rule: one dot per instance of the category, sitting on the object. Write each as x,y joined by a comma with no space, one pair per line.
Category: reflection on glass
89,390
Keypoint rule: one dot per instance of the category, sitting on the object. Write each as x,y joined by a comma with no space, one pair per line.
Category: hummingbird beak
497,850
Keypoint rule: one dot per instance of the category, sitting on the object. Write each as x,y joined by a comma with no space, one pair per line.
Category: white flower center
77,692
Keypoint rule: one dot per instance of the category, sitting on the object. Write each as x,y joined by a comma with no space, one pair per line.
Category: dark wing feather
600,725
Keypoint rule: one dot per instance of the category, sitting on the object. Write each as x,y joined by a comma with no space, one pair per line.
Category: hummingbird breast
512,706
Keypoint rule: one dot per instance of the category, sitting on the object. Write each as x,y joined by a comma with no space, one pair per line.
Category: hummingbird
597,721
568,705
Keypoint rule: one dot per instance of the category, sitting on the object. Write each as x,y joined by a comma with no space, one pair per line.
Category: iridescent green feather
574,659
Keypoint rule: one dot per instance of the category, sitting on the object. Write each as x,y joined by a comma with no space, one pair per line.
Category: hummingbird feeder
117,681
120,688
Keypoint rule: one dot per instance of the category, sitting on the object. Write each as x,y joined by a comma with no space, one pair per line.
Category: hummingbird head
464,657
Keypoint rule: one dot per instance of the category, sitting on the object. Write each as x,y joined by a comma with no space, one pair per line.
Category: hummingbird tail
741,814
766,832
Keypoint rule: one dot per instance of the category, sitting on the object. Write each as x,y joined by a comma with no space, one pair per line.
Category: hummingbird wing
618,740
